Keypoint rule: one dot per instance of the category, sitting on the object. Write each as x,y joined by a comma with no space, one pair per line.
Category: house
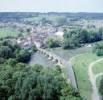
59,34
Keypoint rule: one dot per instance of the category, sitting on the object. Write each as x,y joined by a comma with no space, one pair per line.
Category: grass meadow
9,31
80,65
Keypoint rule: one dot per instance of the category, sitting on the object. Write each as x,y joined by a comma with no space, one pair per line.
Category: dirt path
98,75
92,77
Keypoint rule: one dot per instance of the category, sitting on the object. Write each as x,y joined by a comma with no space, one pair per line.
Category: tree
83,36
98,49
5,52
2,60
23,56
101,31
19,81
51,43
101,87
79,37
34,48
11,62
68,43
43,85
71,40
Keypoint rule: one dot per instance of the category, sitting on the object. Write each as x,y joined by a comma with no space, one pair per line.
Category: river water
40,59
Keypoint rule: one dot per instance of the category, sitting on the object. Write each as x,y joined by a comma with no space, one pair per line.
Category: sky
51,5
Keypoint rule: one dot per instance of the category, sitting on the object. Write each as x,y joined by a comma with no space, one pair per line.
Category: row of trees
76,38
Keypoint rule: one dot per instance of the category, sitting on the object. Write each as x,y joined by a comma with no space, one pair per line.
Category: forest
20,81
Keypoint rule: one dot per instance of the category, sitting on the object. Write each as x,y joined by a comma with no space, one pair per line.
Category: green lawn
80,65
98,68
8,31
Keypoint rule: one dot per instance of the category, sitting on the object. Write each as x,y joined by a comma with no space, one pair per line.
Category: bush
51,43
5,52
2,60
43,85
34,48
98,49
11,62
23,56
101,87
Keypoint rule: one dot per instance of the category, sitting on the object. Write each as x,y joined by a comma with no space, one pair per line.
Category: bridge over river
71,79
60,61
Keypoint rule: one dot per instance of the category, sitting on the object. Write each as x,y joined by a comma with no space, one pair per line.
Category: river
40,59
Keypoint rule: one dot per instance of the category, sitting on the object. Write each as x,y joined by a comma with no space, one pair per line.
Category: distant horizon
45,6
45,12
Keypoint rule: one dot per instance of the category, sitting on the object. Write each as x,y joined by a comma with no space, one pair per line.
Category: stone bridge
63,64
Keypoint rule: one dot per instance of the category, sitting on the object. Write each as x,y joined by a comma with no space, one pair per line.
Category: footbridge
63,64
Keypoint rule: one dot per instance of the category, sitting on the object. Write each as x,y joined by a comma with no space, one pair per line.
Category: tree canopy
20,81
98,49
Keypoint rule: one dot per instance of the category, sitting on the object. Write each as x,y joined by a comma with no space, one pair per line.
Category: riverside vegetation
20,81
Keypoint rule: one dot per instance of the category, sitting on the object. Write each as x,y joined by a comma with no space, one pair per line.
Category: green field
98,81
8,31
67,54
98,68
80,65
